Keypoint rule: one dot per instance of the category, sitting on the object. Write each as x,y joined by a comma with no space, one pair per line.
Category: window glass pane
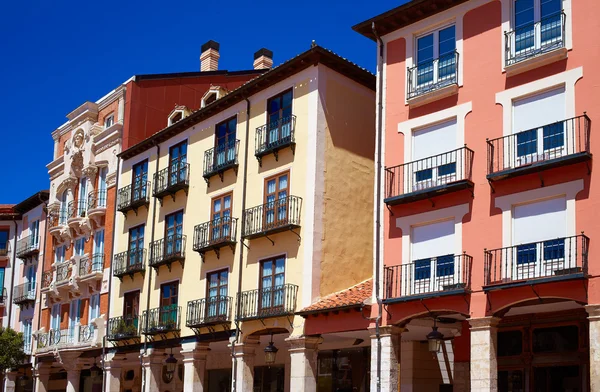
523,13
554,136
267,268
271,186
510,343
550,8
422,269
554,249
527,143
283,182
445,265
423,175
425,49
447,42
526,253
555,339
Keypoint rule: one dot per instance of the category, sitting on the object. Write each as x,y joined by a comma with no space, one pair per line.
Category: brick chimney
209,58
263,59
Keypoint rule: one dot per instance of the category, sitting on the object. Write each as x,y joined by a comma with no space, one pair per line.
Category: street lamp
434,338
270,352
171,364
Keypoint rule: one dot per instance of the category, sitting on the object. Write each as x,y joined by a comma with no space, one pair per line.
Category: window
62,214
538,122
177,116
34,232
169,293
82,202
221,217
74,315
177,163
555,339
272,280
31,279
55,317
131,307
140,180
3,242
279,115
102,187
225,141
59,254
26,329
510,343
98,253
94,311
434,156
216,294
173,234
276,193
109,121
136,245
436,58
2,272
79,246
537,23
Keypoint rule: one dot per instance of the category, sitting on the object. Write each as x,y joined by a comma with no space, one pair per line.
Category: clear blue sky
54,55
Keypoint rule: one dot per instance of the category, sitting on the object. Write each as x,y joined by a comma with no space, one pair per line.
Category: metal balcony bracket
272,242
389,209
262,322
207,179
293,147
259,159
221,174
583,281
491,186
182,262
465,299
541,178
173,196
489,301
290,320
202,256
473,192
536,293
587,164
160,200
431,201
276,154
297,235
243,243
195,330
218,253
425,306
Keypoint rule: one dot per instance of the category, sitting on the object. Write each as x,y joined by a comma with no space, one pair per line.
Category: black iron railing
63,272
168,249
28,245
96,199
47,279
161,320
428,173
24,292
279,214
77,208
548,142
3,296
535,39
172,178
133,196
129,262
267,302
215,232
432,75
58,217
221,158
86,333
275,135
206,311
553,258
88,266
436,274
122,328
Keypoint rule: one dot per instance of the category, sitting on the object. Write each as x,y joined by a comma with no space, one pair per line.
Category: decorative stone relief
90,172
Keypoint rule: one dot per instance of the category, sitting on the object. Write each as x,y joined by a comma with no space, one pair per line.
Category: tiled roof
354,296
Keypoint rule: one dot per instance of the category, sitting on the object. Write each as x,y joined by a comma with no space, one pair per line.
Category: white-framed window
59,254
34,232
99,242
83,196
62,214
109,120
536,23
79,246
176,116
435,57
102,186
55,317
74,314
27,330
94,311
31,278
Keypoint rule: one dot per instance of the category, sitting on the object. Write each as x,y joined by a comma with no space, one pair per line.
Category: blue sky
57,54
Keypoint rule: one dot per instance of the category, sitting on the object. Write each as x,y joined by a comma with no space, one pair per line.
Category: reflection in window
555,339
510,343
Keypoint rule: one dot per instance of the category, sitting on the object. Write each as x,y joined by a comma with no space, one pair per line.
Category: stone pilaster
303,356
152,364
484,364
461,377
194,366
112,372
390,358
42,377
243,356
594,333
73,377
10,381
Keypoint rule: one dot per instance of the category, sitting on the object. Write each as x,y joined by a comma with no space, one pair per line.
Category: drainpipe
149,272
12,278
110,273
238,331
378,202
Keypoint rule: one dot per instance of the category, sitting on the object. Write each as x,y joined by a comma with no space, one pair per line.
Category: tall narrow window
537,24
26,329
436,58
221,217
94,311
434,157
55,317
131,308
74,316
109,121
98,254
225,138
79,246
169,293
139,182
173,234
62,212
279,114
82,202
272,280
276,202
102,187
136,245
59,254
177,163
3,242
216,303
34,234
31,279
2,272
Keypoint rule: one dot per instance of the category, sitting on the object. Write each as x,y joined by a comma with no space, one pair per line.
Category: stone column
73,377
594,333
152,364
42,377
243,357
390,358
194,366
112,372
484,364
11,381
303,370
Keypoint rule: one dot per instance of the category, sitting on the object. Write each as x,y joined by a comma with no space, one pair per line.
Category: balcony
214,235
272,137
221,158
64,272
24,294
132,197
524,264
172,179
167,250
429,177
129,262
160,321
28,246
47,277
3,297
76,217
558,144
437,276
207,312
535,44
432,80
78,336
91,268
266,303
123,328
96,206
274,217
57,219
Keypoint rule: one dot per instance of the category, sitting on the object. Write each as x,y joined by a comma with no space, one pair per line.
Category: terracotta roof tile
355,295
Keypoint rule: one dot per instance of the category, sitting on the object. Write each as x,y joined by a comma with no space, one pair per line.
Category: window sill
433,96
536,62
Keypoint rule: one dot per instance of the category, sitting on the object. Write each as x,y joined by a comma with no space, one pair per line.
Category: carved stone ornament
78,139
90,172
77,163
68,183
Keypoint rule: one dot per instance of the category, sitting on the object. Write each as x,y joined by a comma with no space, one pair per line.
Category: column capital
246,348
387,330
593,312
114,361
304,342
70,361
152,357
195,351
42,369
483,323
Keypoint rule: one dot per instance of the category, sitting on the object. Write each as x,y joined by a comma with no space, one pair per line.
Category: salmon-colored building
486,271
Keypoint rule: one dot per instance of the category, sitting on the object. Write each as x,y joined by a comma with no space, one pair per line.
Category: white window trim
175,113
406,223
457,112
567,189
508,25
113,120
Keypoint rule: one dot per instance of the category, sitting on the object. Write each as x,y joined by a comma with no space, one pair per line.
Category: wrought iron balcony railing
58,217
56,337
557,258
77,208
167,250
89,266
28,246
427,177
133,196
161,320
432,75
208,311
64,271
172,179
269,218
215,234
221,158
272,137
267,302
47,277
122,328
96,199
441,274
535,39
3,296
547,146
129,262
24,293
